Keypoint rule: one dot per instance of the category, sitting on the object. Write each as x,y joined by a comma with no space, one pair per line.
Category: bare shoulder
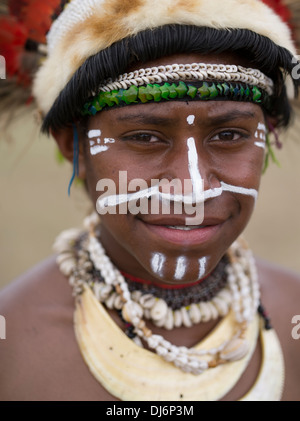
280,288
35,307
36,284
280,296
40,359
26,301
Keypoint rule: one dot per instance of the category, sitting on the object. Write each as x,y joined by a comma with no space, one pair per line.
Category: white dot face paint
202,267
180,268
96,144
191,119
157,263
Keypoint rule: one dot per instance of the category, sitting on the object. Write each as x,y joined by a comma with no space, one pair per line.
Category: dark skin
130,239
40,359
150,142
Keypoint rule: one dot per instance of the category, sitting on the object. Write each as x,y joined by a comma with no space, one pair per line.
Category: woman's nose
189,164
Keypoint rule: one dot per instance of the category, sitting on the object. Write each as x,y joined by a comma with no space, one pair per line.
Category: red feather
13,36
28,20
36,15
280,9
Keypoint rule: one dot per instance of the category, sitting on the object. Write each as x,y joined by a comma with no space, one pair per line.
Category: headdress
82,28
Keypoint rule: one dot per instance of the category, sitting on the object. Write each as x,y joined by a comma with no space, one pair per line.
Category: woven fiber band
190,72
196,91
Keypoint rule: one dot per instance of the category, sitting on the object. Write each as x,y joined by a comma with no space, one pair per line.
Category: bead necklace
243,284
166,308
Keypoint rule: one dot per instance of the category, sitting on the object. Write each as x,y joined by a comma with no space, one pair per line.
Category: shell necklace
233,340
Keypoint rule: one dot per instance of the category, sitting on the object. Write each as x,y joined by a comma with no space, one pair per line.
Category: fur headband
88,26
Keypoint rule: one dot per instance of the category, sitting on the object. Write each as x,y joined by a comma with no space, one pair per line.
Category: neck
141,281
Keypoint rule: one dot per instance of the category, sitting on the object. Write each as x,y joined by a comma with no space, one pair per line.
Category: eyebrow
147,119
211,120
230,116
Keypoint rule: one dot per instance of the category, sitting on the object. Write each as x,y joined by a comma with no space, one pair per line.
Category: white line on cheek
94,133
97,149
196,178
202,267
109,140
260,145
239,190
180,268
157,263
191,119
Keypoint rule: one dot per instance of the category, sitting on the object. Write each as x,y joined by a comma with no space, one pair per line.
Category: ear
65,141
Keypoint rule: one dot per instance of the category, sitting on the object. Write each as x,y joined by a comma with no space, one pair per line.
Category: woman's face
214,148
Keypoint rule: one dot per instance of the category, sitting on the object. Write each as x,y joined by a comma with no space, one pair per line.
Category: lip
159,228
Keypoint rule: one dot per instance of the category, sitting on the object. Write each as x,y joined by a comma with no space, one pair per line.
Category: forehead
175,112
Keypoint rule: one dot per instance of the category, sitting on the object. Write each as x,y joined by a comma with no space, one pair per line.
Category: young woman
165,110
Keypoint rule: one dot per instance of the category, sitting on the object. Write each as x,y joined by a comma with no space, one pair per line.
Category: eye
228,136
141,138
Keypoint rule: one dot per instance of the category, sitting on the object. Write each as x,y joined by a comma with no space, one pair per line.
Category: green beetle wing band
203,91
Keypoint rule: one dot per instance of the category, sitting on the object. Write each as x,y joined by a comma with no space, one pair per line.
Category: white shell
118,303
169,321
147,314
159,310
235,350
131,310
105,292
110,302
90,221
226,295
67,266
136,295
138,341
205,312
213,311
221,306
147,301
177,318
195,313
64,256
186,321
97,289
170,356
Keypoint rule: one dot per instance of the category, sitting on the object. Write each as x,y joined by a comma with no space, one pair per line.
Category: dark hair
264,54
